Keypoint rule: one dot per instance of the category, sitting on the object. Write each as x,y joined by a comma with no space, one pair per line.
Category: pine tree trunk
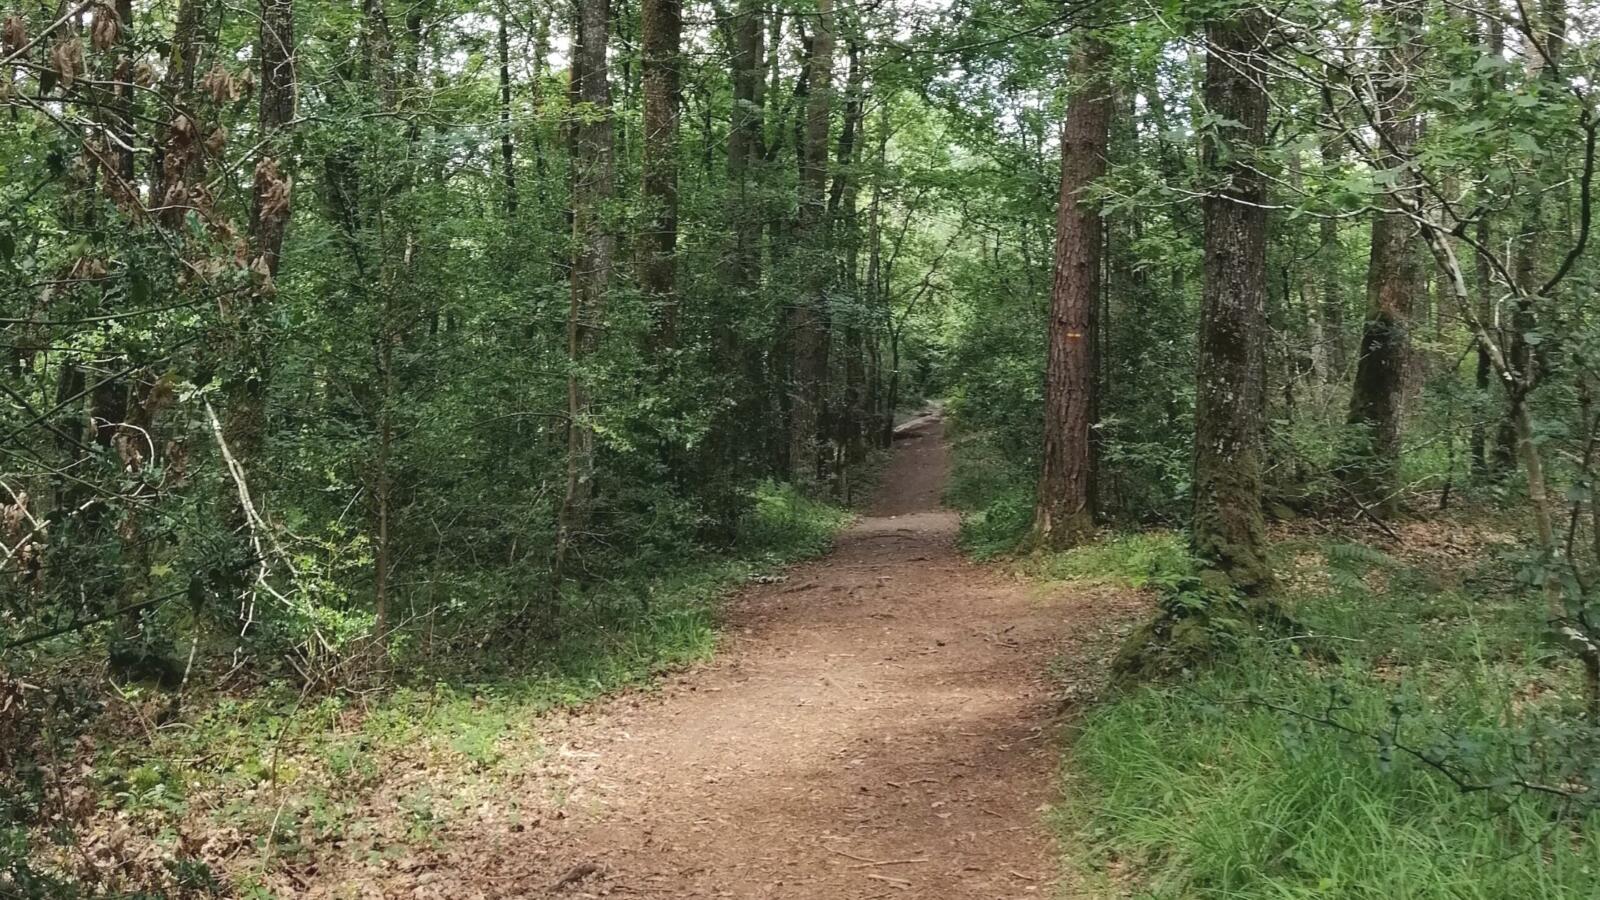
1230,392
1065,512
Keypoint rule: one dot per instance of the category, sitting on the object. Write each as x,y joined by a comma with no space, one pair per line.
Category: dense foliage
354,345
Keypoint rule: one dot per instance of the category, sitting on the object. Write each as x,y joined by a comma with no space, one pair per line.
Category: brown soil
880,724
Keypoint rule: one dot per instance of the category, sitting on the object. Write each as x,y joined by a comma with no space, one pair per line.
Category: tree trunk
177,150
594,248
1065,512
508,148
1549,22
269,219
1394,282
746,150
882,408
1230,391
1483,381
1335,351
843,203
662,39
810,355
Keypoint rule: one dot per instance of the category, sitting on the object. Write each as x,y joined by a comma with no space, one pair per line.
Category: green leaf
138,286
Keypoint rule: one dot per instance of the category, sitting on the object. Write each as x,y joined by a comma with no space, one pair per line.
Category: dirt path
879,725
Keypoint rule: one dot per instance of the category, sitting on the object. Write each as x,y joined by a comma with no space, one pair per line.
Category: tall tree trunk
734,445
1483,464
269,220
594,248
1230,391
880,314
810,357
1065,512
1394,282
746,145
179,146
658,244
1330,254
844,216
1548,22
508,148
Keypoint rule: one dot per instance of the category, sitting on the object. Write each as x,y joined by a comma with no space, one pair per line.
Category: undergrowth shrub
1209,793
466,695
1399,767
994,494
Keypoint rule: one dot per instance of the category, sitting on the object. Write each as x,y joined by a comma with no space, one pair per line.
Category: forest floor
880,723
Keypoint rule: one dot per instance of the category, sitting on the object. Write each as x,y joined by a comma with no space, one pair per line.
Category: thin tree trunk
746,150
878,293
658,244
508,149
806,319
1065,512
594,249
269,219
1544,63
852,418
1330,254
1394,283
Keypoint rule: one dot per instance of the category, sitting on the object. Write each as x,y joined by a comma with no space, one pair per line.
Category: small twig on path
897,882
576,874
848,855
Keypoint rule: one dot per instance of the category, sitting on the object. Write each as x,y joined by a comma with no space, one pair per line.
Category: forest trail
880,724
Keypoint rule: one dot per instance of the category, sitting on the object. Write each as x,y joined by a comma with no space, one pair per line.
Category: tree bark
269,220
1395,280
179,145
1065,511
844,214
662,40
746,148
1549,22
810,355
1230,392
508,147
1334,350
594,249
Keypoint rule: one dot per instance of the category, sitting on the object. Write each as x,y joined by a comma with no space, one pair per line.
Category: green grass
1206,798
1150,559
1228,786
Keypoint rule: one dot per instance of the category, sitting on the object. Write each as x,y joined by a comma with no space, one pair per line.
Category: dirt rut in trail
879,725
